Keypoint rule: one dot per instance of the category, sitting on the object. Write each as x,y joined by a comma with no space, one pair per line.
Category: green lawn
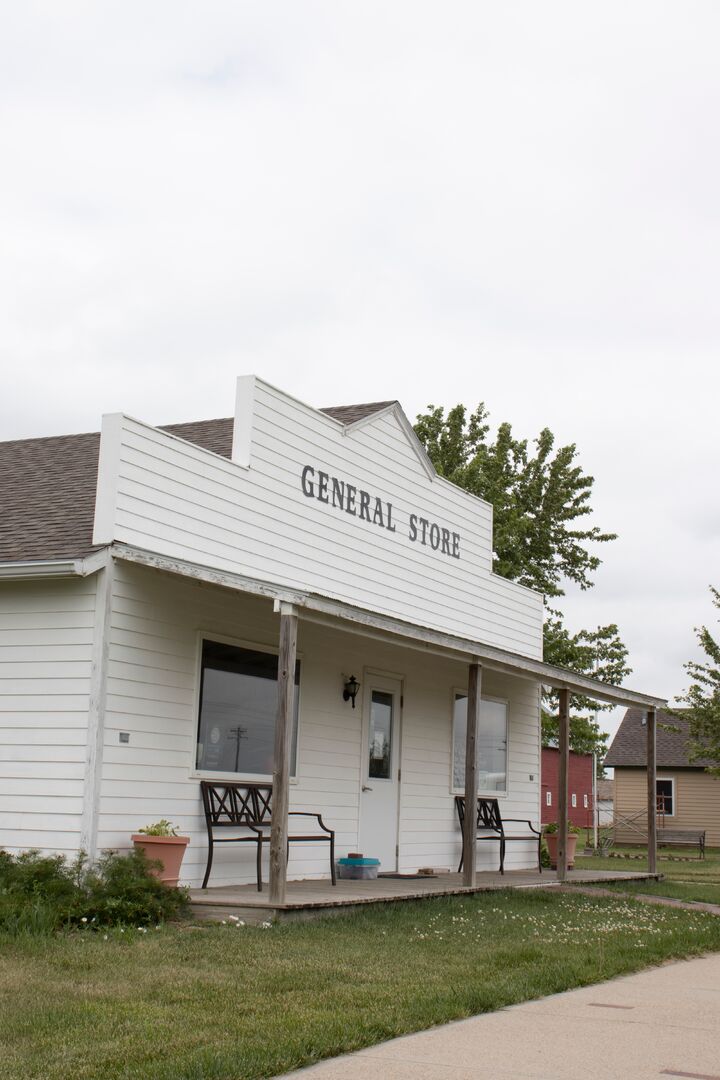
670,864
705,892
234,1003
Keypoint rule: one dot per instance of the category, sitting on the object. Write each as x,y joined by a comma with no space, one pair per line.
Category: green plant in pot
161,844
550,836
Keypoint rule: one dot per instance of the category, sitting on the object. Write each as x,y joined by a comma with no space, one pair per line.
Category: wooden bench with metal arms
491,826
239,805
682,838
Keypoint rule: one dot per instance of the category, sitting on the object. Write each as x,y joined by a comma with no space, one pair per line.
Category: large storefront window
491,745
238,704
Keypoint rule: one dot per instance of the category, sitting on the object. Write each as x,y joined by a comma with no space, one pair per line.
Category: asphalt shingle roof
47,486
629,747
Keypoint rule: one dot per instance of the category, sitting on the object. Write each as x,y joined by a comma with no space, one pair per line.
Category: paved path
660,1023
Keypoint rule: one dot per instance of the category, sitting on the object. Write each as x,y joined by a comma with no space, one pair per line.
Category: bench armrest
523,821
307,813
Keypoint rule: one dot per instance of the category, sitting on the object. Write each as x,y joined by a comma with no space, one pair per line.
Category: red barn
580,801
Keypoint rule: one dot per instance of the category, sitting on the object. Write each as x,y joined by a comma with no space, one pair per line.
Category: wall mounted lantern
351,688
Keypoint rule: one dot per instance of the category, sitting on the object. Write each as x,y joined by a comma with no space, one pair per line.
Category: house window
491,744
665,791
574,800
585,801
548,798
238,705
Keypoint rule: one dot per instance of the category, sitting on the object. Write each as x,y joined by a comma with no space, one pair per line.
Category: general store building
149,578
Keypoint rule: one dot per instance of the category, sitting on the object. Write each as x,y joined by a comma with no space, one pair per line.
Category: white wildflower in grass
266,925
84,918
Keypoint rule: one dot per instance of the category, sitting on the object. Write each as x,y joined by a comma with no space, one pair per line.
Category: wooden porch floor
319,897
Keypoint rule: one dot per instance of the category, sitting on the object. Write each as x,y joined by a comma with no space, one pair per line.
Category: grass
691,879
706,893
237,1003
670,863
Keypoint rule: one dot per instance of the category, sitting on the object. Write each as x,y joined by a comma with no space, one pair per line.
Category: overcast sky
511,203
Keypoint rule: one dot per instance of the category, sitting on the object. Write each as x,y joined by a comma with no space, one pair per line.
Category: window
574,800
665,791
585,801
381,729
491,744
238,704
548,798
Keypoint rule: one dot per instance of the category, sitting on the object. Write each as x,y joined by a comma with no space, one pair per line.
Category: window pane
238,704
664,789
491,744
380,759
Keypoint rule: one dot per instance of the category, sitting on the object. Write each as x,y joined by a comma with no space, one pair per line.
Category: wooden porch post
564,755
281,760
651,791
473,723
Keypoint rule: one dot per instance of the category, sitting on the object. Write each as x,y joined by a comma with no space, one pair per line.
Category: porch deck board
316,895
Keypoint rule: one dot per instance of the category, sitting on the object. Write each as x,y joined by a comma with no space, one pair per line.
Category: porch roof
320,609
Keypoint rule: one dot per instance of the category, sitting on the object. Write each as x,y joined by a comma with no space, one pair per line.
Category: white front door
380,776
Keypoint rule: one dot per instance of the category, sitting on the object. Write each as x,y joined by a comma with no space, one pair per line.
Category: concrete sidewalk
663,1022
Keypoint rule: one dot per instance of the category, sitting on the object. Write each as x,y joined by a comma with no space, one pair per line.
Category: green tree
585,735
541,537
702,699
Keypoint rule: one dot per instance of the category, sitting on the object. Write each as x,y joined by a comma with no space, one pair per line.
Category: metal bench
682,838
230,805
491,826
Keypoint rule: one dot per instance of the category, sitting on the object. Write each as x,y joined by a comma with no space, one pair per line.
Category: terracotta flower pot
169,850
551,839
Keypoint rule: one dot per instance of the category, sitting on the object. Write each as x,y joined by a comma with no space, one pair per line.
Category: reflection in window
381,706
491,744
238,705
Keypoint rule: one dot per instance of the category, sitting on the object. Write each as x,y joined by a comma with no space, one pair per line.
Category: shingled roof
629,747
47,486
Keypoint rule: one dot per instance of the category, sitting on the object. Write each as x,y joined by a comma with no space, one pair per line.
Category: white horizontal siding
46,635
160,615
176,499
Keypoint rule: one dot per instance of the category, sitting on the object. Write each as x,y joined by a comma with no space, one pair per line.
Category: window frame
548,797
586,802
667,780
483,793
573,800
240,643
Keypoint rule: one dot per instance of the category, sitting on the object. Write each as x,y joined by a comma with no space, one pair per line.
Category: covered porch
477,663
313,898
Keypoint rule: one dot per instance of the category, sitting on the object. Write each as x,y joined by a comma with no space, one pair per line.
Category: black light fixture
351,688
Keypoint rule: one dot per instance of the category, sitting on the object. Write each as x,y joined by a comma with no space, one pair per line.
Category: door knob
366,788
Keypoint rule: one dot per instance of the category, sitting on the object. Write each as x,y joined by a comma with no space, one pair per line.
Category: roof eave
52,568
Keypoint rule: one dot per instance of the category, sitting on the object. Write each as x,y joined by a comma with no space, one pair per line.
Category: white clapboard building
147,579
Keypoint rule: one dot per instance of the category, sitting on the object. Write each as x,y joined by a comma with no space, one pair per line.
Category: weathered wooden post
651,790
564,755
469,825
281,763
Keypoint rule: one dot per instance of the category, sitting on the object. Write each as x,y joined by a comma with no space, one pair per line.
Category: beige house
687,796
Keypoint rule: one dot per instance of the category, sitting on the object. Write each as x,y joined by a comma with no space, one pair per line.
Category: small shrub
42,893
